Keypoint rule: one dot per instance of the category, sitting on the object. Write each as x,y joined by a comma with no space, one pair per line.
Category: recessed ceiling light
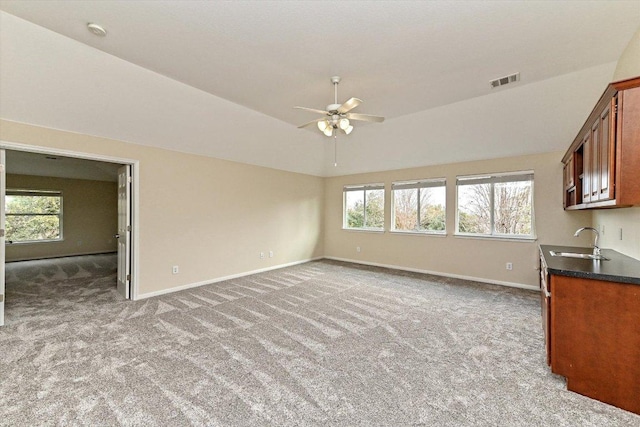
96,29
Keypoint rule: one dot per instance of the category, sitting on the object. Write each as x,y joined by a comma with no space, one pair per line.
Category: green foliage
32,217
372,213
375,209
355,216
433,218
469,223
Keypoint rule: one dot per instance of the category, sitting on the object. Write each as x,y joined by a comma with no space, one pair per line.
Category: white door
124,231
3,187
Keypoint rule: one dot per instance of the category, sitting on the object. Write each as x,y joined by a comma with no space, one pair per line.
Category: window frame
364,188
496,178
418,184
34,192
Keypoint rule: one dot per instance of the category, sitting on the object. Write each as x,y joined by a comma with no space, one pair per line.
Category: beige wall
629,62
611,221
210,217
483,259
627,219
90,210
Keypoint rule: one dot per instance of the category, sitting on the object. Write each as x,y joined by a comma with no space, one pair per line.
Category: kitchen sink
579,255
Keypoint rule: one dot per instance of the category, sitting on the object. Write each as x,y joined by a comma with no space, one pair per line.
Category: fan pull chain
335,150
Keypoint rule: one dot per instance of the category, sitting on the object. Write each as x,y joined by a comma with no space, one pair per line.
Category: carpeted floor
319,344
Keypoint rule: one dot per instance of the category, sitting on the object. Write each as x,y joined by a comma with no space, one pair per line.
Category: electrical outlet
270,254
509,266
261,255
175,269
357,248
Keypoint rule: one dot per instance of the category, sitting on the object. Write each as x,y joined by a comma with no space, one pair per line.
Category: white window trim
406,185
32,192
494,178
419,233
364,188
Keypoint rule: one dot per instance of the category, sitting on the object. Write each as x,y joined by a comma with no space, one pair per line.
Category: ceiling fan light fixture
337,118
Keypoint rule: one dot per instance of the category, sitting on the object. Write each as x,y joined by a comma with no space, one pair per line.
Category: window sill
418,233
528,239
364,230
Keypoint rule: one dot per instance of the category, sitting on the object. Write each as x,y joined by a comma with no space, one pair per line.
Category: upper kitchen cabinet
602,165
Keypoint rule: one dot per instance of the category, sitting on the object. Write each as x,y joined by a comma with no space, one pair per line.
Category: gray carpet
319,344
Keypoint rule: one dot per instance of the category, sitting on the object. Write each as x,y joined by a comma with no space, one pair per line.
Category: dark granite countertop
619,268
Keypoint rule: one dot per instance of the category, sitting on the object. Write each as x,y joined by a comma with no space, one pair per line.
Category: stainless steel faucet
596,248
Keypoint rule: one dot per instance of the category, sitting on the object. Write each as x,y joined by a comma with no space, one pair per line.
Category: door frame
3,249
135,196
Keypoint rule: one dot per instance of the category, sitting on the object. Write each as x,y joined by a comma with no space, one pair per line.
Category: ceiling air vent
505,80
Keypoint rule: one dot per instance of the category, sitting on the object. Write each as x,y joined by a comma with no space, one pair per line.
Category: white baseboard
439,273
220,279
374,264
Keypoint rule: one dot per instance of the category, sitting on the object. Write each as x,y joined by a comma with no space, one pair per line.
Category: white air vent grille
505,80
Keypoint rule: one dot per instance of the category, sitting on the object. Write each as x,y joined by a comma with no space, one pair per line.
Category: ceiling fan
337,116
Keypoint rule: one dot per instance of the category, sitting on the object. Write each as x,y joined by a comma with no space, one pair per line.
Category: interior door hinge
129,179
128,228
128,277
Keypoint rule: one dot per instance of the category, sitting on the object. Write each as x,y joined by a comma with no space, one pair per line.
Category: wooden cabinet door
595,161
607,153
586,169
569,174
571,169
569,178
595,341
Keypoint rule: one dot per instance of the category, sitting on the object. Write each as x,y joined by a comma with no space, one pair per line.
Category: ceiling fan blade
349,105
312,122
312,110
364,117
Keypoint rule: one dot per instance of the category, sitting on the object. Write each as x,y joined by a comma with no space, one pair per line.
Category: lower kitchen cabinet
594,338
591,322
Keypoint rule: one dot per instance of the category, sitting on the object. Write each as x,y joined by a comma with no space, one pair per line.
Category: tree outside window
364,207
496,205
419,206
33,216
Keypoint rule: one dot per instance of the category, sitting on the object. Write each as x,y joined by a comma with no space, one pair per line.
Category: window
364,207
498,205
419,206
33,215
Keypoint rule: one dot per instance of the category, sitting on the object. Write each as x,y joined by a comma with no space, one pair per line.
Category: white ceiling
23,163
223,71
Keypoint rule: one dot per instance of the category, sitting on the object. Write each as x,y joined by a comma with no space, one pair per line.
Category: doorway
61,165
